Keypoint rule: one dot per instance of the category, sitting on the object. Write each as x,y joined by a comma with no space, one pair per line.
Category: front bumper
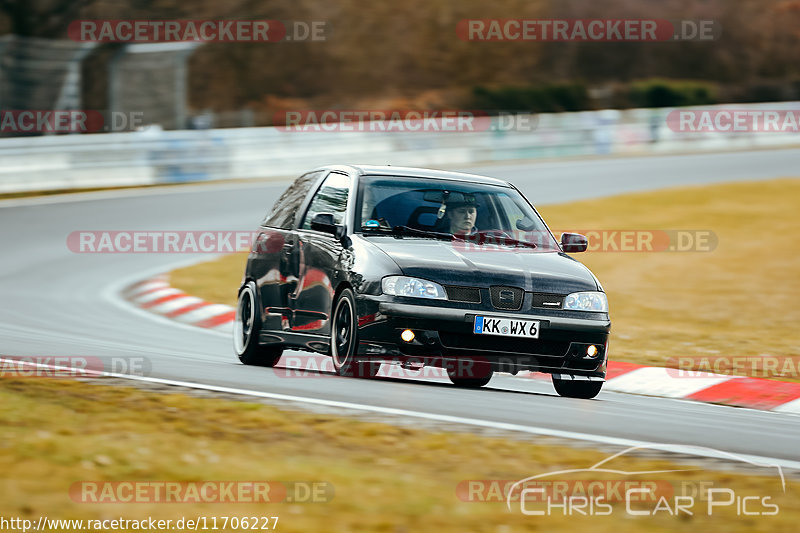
444,334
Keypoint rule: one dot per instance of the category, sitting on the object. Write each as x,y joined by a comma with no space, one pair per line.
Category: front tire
469,374
246,328
344,339
577,388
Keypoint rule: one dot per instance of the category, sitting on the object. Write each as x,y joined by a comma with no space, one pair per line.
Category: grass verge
737,300
56,432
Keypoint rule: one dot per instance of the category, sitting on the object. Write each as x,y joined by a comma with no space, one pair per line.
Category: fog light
407,335
591,351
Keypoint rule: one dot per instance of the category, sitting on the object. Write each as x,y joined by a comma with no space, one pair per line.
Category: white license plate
508,327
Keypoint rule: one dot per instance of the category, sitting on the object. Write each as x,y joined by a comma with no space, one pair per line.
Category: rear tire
246,328
577,388
344,340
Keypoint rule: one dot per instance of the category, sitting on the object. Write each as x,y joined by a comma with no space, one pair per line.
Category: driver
460,216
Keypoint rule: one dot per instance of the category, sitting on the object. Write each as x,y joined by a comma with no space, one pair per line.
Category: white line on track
503,426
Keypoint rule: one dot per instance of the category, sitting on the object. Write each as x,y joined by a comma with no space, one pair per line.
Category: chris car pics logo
597,491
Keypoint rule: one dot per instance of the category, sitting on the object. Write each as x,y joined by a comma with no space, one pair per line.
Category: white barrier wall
154,156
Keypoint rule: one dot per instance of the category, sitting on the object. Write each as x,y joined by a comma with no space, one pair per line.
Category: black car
409,266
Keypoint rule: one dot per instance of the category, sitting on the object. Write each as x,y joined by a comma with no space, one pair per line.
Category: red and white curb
157,296
739,391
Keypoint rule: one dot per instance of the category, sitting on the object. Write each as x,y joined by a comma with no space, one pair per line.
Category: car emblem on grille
506,296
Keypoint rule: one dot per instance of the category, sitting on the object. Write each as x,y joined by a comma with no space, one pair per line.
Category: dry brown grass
56,432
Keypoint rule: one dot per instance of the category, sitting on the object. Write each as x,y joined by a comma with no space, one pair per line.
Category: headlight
587,301
413,287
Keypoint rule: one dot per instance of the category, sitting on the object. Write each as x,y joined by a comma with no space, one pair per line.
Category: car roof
388,170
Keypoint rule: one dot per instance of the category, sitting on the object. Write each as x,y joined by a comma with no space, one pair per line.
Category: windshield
427,207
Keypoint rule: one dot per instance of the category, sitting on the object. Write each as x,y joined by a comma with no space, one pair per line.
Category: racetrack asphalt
59,303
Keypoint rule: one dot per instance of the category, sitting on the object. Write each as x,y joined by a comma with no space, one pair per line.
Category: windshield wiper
515,242
406,230
487,237
475,238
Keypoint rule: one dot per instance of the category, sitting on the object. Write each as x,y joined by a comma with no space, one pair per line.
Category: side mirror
325,223
574,242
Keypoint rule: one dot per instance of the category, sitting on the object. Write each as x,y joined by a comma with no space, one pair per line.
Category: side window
285,209
330,198
513,212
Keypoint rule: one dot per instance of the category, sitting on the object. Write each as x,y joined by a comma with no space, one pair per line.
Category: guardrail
153,156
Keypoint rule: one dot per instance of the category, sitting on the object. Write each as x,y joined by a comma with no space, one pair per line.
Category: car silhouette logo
700,451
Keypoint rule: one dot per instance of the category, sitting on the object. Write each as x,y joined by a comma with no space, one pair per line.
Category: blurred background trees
407,54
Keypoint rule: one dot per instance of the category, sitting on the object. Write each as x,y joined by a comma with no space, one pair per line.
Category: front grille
494,343
547,300
506,298
469,295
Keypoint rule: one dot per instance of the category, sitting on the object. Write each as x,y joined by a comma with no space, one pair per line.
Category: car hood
455,263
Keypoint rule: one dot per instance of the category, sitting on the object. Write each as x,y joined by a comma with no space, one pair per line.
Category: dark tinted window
285,209
427,204
331,198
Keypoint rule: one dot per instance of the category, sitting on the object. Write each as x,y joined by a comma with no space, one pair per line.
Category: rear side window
285,209
331,198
